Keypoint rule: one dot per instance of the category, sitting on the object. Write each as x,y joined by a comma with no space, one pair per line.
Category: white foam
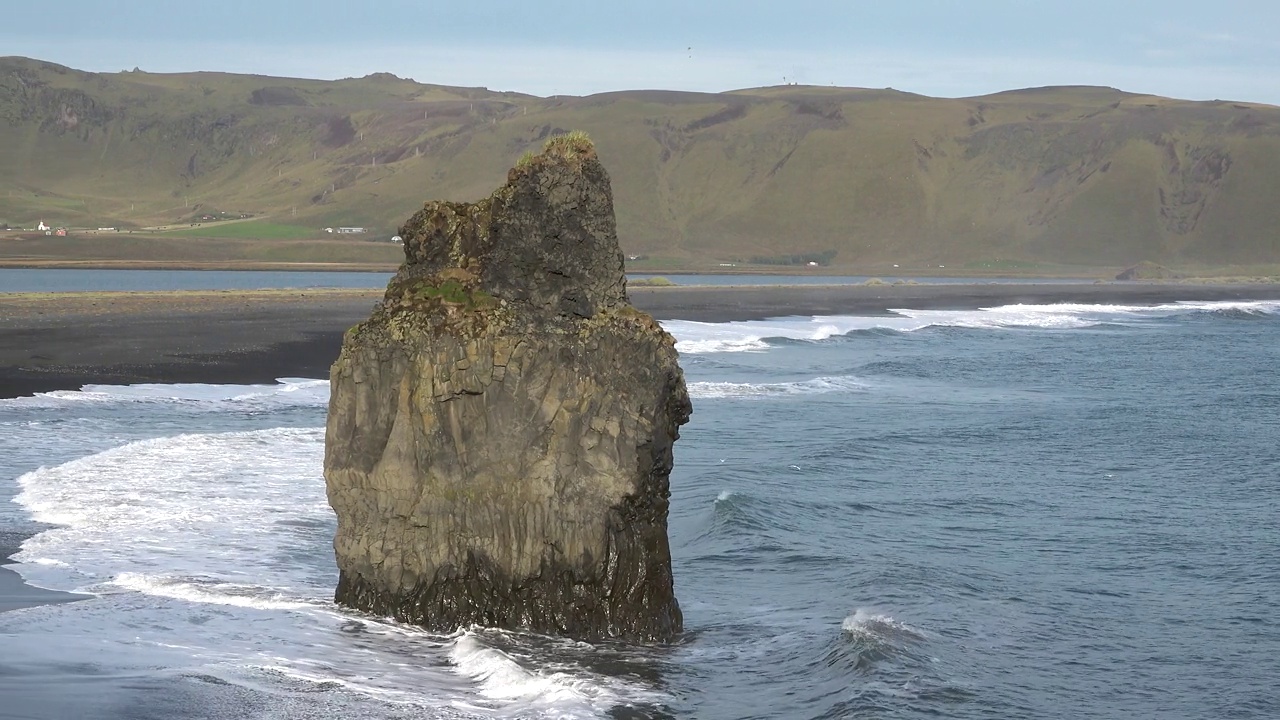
816,386
200,505
217,593
878,627
1008,316
749,336
196,396
1076,315
547,692
753,336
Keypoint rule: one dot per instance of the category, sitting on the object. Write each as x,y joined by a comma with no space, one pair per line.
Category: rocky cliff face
500,430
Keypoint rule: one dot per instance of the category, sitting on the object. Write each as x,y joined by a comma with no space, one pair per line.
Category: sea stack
500,431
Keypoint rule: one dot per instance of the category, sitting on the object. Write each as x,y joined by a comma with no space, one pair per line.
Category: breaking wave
816,386
287,392
693,338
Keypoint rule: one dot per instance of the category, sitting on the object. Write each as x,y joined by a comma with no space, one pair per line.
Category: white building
42,227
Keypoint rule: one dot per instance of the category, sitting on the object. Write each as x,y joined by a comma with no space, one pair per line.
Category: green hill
1070,175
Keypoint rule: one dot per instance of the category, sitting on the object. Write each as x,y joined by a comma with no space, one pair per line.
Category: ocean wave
193,396
751,524
1240,311
868,639
1077,315
198,590
753,336
464,674
1038,317
199,504
816,386
693,338
876,627
547,690
722,345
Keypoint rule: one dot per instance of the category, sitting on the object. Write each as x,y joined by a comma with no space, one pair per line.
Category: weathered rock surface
500,430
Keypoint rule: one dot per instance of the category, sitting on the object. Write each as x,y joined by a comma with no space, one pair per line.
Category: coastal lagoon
1041,511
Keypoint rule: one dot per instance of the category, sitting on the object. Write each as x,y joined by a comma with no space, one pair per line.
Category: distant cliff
1083,175
500,430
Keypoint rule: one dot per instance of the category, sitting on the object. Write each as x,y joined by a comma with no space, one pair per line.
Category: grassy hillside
1074,176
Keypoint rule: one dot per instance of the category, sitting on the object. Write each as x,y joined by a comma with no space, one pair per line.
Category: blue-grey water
1025,512
77,280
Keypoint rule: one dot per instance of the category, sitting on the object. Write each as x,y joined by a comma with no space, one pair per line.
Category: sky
1225,49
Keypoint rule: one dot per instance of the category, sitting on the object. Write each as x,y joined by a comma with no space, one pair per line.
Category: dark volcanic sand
65,341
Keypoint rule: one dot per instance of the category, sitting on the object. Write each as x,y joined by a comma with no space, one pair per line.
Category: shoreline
17,594
64,341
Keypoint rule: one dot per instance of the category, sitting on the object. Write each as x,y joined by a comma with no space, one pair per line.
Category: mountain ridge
1069,174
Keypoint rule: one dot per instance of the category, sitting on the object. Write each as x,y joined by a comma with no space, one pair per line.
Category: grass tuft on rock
570,145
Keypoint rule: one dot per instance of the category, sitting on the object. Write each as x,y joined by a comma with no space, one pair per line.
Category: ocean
1056,511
